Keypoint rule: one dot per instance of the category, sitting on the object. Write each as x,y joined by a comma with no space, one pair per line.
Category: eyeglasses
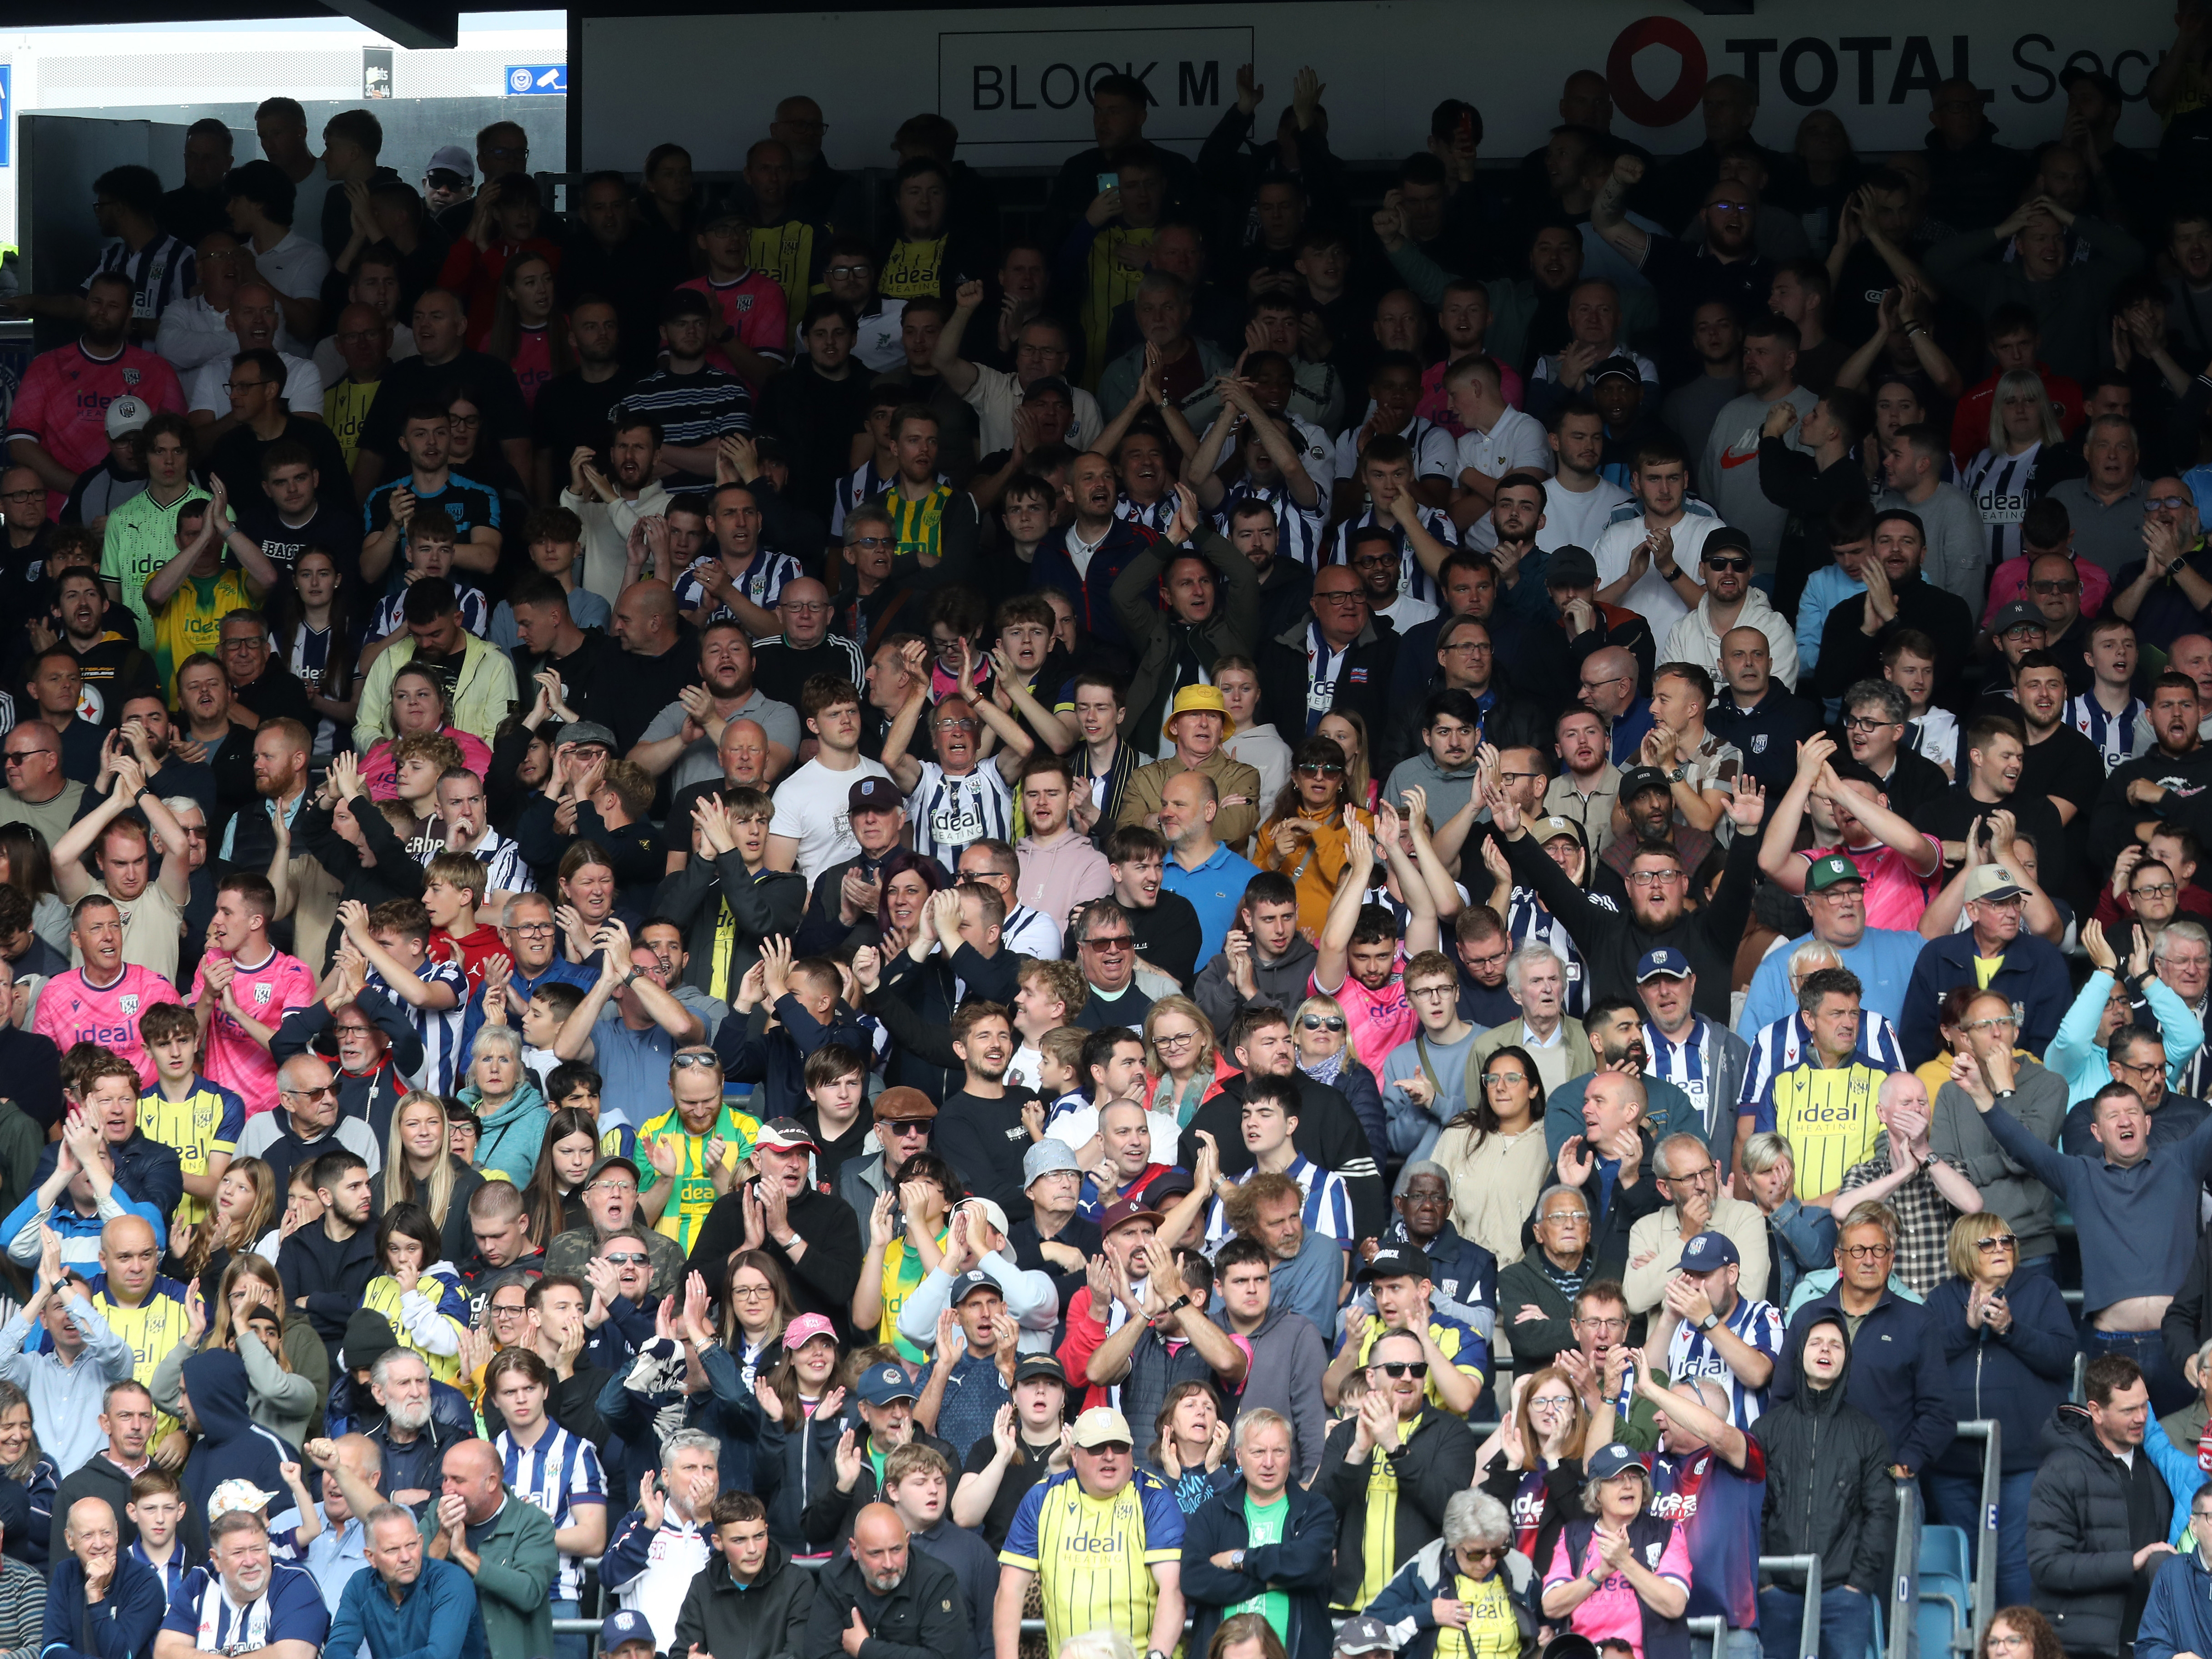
627,1258
2153,890
1340,597
1319,769
1564,1219
1180,1039
24,496
1997,1241
1654,878
1321,1022
507,1309
2005,1022
309,1094
1396,1368
749,1292
532,927
871,541
1865,725
850,270
1557,1403
1868,1252
350,1030
1493,1079
1477,648
1602,1326
608,1185
243,385
2008,1640
953,725
2168,503
804,605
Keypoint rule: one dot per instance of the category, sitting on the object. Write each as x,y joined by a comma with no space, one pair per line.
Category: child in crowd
395,938
452,889
555,536
1060,1071
430,540
182,1109
156,1508
417,1292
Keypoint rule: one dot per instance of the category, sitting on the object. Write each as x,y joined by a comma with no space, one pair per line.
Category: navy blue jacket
751,1457
1898,1375
2018,1378
122,1626
232,1446
2033,975
752,1054
2178,1618
1299,1567
145,1169
1093,592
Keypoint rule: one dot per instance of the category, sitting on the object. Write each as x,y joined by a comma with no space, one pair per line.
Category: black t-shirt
781,670
1168,935
640,687
587,673
571,410
25,592
335,529
411,381
276,695
1013,1485
1951,814
236,459
113,672
447,669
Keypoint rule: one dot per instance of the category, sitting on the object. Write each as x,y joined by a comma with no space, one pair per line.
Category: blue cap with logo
1616,1459
882,1384
1665,963
973,1280
628,1625
1708,1251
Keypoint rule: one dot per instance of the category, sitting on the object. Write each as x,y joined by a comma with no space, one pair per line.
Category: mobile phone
1109,181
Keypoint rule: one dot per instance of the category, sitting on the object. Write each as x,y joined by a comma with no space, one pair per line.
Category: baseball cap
989,1206
1051,383
1101,1425
1665,963
881,1384
2020,613
1992,881
1123,1210
786,1133
1616,367
873,795
902,1104
1175,1184
1610,1460
805,1328
1832,870
452,158
2069,77
1552,828
1708,1251
976,1279
1364,1635
685,302
233,1495
1396,1262
613,1161
1570,567
1639,779
127,415
1724,538
1038,1364
628,1625
1043,1158
586,732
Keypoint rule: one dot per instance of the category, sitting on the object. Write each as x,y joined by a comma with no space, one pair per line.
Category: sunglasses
1321,1022
1994,1242
627,1258
1396,1368
1320,768
1728,564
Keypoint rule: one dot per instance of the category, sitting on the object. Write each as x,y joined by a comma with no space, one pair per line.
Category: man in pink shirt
59,417
1061,871
103,1000
1851,815
1360,958
754,319
242,989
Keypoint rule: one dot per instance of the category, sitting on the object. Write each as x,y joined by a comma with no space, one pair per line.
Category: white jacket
606,534
1695,639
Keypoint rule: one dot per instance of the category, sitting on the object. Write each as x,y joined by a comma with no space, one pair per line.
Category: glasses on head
1868,1252
685,1062
1397,1367
1994,1242
1865,725
1321,1022
627,1258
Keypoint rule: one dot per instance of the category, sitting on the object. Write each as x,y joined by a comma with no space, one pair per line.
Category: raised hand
2101,955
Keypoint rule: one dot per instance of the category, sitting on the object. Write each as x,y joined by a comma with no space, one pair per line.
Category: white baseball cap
127,415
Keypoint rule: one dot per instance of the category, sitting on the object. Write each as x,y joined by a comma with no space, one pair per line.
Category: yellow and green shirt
902,1271
206,1123
919,525
1828,1116
152,1329
192,620
1378,1537
695,1194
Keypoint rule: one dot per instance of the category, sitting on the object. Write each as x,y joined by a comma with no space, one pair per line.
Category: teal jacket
2074,1055
515,1572
511,1136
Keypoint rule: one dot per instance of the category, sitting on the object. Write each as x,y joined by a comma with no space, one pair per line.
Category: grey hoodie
1282,982
1447,791
1288,1356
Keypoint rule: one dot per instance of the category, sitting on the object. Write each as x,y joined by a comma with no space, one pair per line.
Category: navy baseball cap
628,1625
1397,1261
1665,963
1609,1460
884,1383
873,795
973,1280
1708,1251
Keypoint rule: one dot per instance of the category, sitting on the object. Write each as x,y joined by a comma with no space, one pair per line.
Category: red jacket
1970,422
473,273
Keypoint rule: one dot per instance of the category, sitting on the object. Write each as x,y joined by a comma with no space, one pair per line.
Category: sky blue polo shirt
1215,889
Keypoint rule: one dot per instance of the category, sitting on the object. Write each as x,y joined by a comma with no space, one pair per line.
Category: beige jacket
1232,824
1654,1250
1494,1186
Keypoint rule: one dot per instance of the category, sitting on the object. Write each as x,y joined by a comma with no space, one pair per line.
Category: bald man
256,321
654,667
902,1602
353,1487
1610,689
502,1542
784,662
141,1305
131,1600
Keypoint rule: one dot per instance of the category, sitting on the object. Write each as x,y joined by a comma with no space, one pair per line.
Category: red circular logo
1629,98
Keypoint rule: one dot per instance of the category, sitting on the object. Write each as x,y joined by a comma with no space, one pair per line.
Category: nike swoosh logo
1729,458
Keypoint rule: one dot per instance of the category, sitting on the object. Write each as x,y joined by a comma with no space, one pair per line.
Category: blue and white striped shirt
160,273
2114,734
555,1475
761,583
1785,1043
1413,578
1691,1353
1528,922
438,1028
1298,531
949,814
1327,1207
289,1609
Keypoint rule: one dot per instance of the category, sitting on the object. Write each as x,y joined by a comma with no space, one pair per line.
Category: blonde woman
419,1170
1327,1054
1179,1054
1494,1151
1800,1238
287,1370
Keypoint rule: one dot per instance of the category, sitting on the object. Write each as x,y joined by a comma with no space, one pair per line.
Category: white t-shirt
879,344
1576,520
996,394
1651,598
1436,452
303,384
331,366
811,808
1517,440
296,268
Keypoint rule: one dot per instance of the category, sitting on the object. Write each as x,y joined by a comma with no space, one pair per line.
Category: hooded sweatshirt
1829,1492
1282,982
1288,1356
232,1445
512,1134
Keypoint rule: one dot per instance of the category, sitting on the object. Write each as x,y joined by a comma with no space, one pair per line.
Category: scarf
1326,1070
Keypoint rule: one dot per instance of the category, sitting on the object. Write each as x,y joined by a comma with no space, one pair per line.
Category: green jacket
513,1577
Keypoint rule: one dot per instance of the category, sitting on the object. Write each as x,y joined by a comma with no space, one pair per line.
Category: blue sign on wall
525,79
7,112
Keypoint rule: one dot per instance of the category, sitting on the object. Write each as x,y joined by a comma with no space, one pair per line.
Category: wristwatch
2004,1094
1178,1305
1678,773
1236,1559
1709,1321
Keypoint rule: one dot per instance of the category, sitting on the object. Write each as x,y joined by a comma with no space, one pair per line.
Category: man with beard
886,1596
1285,584
980,1129
1328,1134
1725,265
59,420
683,742
572,411
804,645
1658,883
1211,610
1897,596
2162,783
359,356
327,1264
617,506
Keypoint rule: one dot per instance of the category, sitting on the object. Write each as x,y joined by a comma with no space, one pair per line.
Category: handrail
1986,1431
1808,1633
1905,1574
